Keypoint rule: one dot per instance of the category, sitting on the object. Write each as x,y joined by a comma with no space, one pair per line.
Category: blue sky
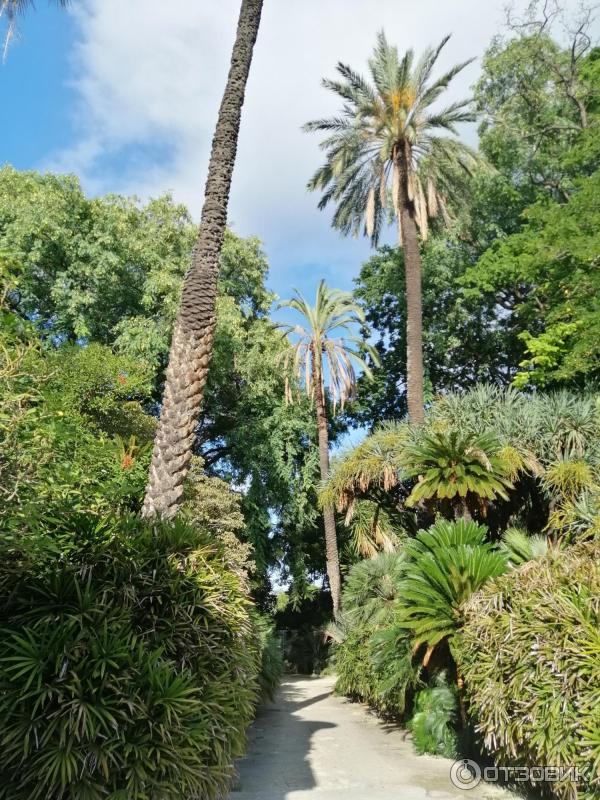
124,93
36,109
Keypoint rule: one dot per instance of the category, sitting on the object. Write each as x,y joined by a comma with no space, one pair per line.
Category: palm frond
380,117
318,354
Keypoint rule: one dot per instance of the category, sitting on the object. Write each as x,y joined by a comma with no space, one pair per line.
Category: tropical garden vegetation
166,442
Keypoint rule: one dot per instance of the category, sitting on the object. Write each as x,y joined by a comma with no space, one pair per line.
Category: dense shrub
530,655
375,666
271,656
373,658
128,666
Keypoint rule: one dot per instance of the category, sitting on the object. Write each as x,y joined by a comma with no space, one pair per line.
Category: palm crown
320,344
388,126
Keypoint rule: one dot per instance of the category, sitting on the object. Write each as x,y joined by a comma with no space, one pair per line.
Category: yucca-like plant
579,518
571,424
544,428
520,547
529,652
572,484
371,468
465,469
128,665
445,565
568,478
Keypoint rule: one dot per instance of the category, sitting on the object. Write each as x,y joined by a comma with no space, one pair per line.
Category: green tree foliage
73,435
108,271
530,655
550,267
85,263
538,98
541,130
461,341
129,663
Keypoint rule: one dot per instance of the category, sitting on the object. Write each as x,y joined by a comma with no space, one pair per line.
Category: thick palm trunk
331,546
414,299
191,346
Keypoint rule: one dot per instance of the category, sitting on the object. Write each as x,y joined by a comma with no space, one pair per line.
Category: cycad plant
385,157
324,351
445,565
465,471
519,547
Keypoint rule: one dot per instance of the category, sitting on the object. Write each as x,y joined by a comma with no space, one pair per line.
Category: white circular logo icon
465,774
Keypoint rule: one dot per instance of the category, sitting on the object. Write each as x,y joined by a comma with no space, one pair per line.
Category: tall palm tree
384,158
191,346
318,355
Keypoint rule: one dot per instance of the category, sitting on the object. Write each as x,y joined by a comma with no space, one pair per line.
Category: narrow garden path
313,745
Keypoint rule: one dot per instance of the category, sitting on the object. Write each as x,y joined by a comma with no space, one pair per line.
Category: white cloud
150,75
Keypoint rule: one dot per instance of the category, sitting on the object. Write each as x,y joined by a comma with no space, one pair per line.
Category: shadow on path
312,745
281,740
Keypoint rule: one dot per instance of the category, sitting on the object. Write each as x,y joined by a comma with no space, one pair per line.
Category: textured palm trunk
191,346
414,301
331,546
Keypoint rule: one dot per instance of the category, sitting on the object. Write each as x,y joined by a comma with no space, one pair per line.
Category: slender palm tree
191,346
318,355
385,159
